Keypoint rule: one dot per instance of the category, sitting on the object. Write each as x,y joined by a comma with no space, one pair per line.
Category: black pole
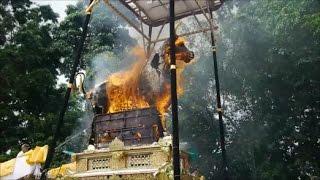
53,143
219,108
174,99
149,41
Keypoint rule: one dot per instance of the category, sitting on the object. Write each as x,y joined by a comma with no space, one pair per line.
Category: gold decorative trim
219,110
172,66
116,145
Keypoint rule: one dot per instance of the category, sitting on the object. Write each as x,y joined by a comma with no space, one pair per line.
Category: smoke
198,91
109,46
107,63
78,140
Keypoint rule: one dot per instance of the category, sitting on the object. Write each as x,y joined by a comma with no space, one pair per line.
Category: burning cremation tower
129,145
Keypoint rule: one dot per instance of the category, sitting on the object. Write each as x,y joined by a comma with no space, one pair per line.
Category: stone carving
139,160
101,163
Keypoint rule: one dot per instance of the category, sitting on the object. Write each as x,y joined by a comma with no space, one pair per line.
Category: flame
179,41
123,87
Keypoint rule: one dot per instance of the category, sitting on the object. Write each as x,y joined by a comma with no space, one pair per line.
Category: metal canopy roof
156,12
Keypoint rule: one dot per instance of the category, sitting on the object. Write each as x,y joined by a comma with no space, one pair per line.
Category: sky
58,6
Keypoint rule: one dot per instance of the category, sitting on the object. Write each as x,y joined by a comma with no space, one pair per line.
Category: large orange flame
123,87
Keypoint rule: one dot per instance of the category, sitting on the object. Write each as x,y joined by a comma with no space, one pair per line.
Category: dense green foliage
29,66
34,50
269,64
269,57
106,34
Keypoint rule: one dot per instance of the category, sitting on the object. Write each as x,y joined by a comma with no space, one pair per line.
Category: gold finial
90,7
116,144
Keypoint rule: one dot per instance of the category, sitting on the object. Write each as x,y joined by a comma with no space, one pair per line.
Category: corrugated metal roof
156,12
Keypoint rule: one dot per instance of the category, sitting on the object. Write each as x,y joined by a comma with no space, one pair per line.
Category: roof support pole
143,40
149,42
219,108
174,99
153,43
77,57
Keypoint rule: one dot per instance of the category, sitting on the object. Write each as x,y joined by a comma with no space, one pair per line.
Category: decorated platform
153,161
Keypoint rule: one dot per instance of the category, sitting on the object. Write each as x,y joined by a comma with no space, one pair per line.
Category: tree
273,61
268,52
35,50
107,34
106,38
29,67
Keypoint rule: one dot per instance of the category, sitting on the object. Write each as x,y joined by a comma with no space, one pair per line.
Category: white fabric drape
21,168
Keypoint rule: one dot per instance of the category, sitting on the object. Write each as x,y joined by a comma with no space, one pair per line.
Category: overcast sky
58,6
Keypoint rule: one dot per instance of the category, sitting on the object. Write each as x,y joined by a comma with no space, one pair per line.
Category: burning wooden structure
135,127
129,143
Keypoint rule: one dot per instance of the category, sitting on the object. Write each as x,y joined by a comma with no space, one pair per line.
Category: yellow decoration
62,171
165,172
7,167
125,162
117,155
114,177
165,144
116,144
38,155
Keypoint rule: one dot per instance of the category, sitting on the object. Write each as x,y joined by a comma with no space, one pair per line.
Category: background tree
269,68
29,65
106,42
35,50
269,58
107,34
